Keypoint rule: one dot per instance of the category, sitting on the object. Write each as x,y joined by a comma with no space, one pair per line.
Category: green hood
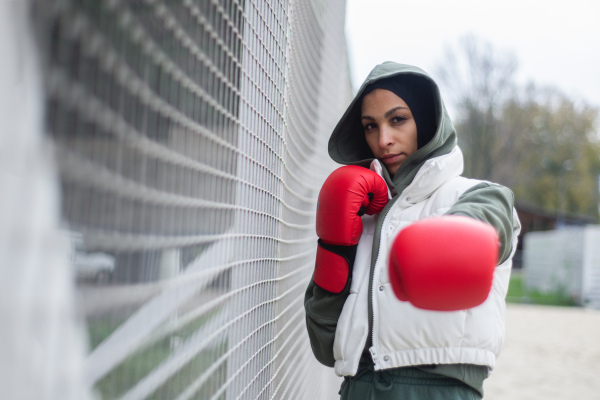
347,144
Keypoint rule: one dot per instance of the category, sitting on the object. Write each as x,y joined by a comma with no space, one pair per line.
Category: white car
90,266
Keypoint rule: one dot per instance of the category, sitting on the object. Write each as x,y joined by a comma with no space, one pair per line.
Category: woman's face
390,129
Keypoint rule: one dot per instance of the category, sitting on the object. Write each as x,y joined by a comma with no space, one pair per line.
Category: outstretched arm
493,204
447,263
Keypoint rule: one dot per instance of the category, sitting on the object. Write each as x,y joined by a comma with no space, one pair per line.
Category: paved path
550,353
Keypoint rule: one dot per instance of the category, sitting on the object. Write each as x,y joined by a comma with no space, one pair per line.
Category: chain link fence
190,140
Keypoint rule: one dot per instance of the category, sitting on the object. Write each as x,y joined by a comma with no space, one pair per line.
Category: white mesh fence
191,142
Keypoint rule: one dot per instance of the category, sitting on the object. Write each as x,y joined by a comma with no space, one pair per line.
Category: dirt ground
550,353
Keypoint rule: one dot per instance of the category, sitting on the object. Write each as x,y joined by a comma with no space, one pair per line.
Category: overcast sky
555,42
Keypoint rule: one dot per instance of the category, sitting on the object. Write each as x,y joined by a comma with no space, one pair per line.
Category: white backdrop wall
565,262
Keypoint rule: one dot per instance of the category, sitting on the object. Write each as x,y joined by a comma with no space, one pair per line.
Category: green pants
404,384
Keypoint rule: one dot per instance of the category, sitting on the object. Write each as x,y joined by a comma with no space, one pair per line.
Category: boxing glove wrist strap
333,266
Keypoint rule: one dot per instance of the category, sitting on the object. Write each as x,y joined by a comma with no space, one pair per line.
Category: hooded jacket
366,316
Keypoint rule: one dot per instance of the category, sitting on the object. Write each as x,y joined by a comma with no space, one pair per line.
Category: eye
398,118
369,126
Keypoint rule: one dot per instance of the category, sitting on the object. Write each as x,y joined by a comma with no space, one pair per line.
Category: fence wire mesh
191,142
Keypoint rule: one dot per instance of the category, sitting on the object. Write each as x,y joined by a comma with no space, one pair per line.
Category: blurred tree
537,141
557,152
480,80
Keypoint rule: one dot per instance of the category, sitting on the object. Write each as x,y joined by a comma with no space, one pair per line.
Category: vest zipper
375,279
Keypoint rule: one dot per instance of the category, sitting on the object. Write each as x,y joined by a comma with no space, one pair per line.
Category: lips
392,158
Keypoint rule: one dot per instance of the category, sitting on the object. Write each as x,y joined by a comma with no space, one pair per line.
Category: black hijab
419,99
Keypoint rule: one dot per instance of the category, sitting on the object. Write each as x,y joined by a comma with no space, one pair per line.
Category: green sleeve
491,203
323,310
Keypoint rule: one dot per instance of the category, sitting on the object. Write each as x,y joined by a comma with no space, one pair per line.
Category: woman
397,127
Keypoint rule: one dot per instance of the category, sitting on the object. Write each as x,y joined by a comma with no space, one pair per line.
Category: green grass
151,355
517,293
141,363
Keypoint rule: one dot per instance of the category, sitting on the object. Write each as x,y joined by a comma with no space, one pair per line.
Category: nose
385,137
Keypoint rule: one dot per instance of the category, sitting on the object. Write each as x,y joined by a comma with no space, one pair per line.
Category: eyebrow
387,114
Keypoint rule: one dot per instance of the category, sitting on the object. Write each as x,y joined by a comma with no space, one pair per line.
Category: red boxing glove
445,263
347,194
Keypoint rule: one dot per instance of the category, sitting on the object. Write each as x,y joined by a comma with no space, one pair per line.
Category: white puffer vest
402,334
